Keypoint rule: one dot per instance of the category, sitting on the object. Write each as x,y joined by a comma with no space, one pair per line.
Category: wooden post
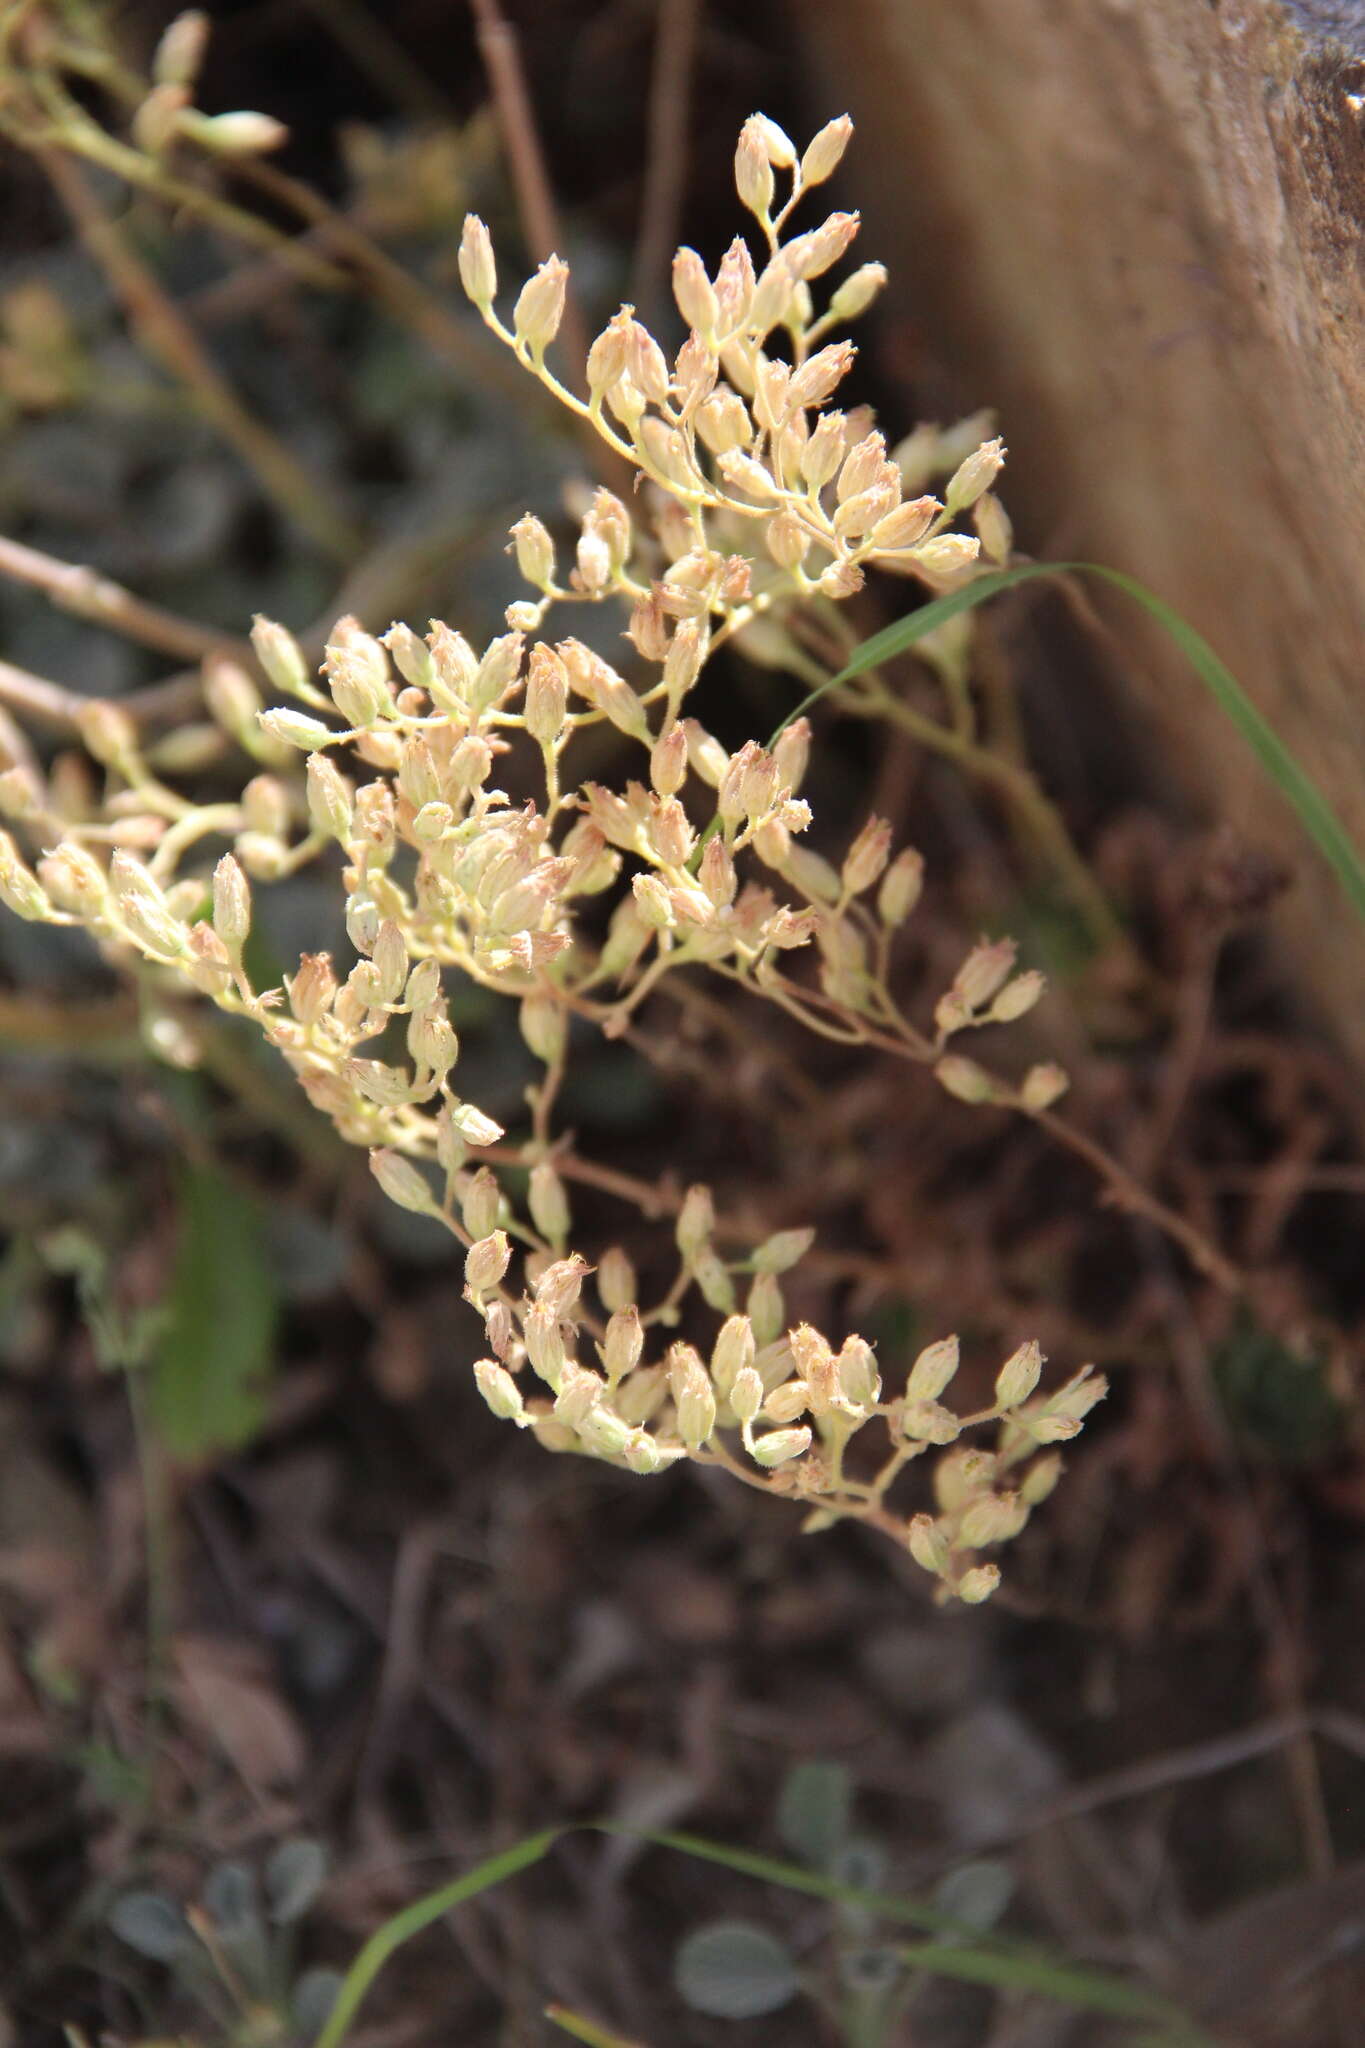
1138,228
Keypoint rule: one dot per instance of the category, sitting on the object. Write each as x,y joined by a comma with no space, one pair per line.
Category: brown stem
670,96
82,590
167,335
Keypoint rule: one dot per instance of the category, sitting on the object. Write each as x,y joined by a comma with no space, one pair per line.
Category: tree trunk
1136,227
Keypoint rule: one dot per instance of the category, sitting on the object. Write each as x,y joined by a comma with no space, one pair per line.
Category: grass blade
1314,812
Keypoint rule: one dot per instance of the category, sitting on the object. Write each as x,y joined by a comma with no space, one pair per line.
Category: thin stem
167,335
74,587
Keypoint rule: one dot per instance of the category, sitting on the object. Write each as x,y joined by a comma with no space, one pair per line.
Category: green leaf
151,1925
217,1343
813,1811
976,1894
1026,1969
293,1878
422,1914
733,1970
1315,814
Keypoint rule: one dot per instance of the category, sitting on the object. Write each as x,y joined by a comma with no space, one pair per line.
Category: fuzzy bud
857,293
540,306
549,1203
901,887
825,151
623,1343
779,1446
929,1545
964,1079
486,1261
280,655
933,1370
1018,1376
978,1584
478,271
402,1183
746,1394
500,1391
231,905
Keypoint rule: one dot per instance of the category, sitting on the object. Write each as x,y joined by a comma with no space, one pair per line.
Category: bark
1138,228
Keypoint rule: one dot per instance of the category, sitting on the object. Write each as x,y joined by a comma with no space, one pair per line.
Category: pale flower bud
901,887
694,1399
856,1369
1041,1087
932,1370
787,540
964,1079
473,1125
180,52
905,527
733,1351
616,1282
929,1545
766,1307
716,873
978,1584
825,150
623,1342
547,695
486,1261
478,271
785,1403
653,902
403,1183
779,1446
535,550
1040,1479
540,306
974,476
1017,997
819,375
1019,1375
693,292
783,1250
548,1203
947,556
928,1422
746,1394
668,761
791,752
296,729
867,857
856,293
231,905
992,523
500,1391
753,170
696,1221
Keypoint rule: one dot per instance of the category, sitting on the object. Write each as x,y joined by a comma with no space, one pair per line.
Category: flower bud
231,905
1019,1375
473,1126
623,1342
978,1584
244,133
929,1545
616,1282
1017,997
746,1394
866,858
933,1370
547,695
295,729
478,271
853,297
947,556
964,1079
540,306
901,887
779,1446
180,52
992,523
856,1370
753,170
499,1390
766,1308
733,1352
974,476
403,1183
1040,1479
486,1261
693,292
825,150
548,1203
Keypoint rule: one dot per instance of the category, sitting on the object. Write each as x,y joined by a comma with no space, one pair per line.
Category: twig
74,587
167,335
535,200
670,96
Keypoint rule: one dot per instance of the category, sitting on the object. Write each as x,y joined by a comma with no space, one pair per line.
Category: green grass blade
414,1919
1007,1968
1315,814
1000,1964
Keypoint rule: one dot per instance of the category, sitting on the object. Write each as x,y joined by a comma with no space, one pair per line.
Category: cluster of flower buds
388,758
775,1404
